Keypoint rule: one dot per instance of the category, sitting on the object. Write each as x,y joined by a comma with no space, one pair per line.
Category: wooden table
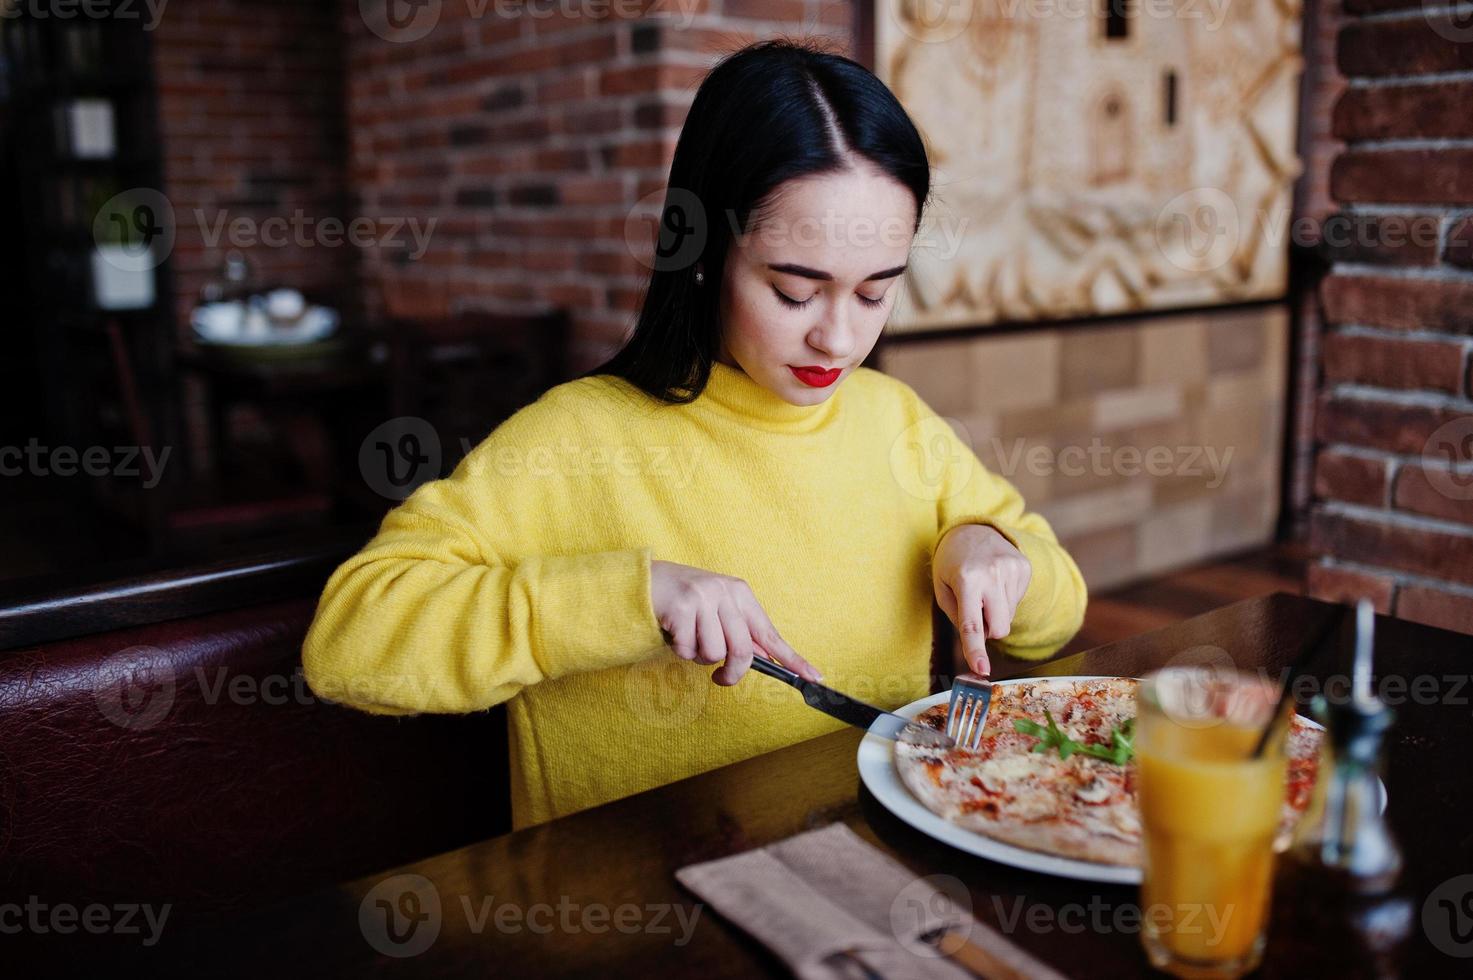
625,853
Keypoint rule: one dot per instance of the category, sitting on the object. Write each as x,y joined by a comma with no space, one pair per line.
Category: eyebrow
807,273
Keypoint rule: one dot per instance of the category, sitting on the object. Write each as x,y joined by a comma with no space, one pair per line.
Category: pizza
1082,806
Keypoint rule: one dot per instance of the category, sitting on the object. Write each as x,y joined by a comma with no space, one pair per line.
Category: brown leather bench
157,743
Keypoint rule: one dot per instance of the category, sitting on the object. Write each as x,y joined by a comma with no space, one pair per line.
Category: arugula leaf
1119,751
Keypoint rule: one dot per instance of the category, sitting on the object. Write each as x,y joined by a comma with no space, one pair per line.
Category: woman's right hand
709,618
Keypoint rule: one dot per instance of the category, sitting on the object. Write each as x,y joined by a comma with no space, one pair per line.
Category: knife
854,712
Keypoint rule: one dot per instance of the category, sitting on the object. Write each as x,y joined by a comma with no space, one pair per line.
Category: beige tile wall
1148,445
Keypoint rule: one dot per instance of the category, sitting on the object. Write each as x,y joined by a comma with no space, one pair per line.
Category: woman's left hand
979,578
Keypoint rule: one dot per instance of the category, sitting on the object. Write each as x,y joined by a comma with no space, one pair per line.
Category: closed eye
799,304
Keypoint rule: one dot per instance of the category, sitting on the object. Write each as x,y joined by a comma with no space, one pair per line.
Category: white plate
877,770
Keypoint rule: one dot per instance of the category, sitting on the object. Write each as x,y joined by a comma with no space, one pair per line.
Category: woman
731,484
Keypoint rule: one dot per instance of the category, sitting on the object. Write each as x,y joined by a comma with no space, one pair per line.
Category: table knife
852,711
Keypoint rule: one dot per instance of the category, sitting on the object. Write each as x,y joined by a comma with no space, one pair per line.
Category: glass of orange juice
1209,811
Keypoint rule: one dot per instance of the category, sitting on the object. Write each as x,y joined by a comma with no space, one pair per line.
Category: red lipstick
816,377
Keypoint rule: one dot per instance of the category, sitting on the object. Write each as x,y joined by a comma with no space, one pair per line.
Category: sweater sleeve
1052,609
447,610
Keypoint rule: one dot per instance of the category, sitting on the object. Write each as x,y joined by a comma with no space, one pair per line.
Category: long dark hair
768,113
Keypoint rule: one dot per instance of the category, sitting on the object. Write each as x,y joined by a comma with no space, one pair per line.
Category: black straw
1330,626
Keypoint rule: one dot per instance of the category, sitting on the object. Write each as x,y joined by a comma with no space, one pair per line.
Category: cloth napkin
832,907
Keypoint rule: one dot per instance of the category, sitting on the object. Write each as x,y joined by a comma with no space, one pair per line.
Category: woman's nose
835,337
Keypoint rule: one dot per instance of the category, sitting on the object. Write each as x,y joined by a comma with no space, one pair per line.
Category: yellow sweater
524,576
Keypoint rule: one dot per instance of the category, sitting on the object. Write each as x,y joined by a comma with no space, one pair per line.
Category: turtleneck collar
733,393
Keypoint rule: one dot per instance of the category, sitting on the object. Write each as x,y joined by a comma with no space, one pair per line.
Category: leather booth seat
186,761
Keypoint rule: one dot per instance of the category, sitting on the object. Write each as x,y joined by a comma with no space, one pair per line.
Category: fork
966,714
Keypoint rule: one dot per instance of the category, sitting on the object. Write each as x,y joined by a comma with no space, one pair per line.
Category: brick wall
250,112
529,141
1393,517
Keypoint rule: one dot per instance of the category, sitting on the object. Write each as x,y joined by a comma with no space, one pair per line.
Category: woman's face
812,285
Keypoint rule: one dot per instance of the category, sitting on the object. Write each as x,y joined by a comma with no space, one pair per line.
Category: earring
700,277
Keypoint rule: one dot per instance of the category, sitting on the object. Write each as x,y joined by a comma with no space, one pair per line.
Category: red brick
1439,492
1353,479
1394,363
1382,239
1435,607
1437,305
1402,47
1436,554
1405,112
1334,584
1377,424
1403,176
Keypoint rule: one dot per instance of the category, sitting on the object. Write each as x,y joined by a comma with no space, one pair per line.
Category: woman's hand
979,578
709,618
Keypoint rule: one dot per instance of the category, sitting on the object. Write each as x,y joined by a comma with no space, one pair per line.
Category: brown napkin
830,906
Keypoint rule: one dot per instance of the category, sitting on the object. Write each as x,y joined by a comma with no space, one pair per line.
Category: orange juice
1209,812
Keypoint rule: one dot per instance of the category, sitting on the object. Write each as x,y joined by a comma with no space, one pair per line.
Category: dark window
1168,96
1117,19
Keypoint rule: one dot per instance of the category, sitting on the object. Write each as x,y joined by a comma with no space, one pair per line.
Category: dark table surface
582,868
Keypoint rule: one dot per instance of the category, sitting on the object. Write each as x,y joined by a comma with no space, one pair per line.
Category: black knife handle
774,669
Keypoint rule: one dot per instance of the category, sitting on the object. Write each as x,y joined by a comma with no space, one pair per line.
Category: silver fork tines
966,715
